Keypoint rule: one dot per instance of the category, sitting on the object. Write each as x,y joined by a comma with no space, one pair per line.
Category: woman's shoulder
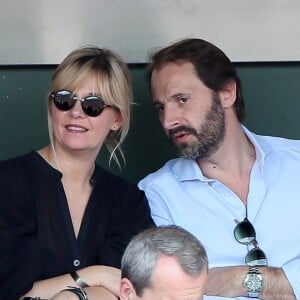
16,163
15,183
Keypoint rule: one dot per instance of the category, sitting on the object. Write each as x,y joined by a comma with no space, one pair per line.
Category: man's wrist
253,282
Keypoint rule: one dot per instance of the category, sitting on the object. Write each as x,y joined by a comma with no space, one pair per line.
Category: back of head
112,79
211,64
141,255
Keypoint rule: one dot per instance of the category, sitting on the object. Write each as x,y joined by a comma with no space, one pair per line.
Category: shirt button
76,262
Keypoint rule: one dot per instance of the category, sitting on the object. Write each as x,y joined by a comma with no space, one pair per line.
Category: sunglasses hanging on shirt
245,234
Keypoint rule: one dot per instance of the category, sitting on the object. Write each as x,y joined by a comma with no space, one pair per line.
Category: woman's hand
64,295
93,293
103,276
95,276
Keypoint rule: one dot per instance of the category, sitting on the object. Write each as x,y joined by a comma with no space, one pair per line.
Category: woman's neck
74,167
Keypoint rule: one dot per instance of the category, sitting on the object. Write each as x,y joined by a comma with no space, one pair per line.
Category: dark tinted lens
256,257
244,232
93,106
63,100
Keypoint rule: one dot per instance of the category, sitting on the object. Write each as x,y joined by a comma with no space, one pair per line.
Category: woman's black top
37,240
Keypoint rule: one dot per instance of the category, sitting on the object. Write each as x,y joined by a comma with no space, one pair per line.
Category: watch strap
253,282
253,270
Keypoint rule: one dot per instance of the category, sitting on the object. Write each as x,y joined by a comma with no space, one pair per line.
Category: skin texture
168,282
75,131
179,98
207,137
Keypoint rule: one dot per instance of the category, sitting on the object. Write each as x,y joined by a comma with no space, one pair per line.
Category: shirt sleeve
158,201
19,254
159,209
292,272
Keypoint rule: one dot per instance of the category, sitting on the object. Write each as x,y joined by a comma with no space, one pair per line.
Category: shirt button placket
76,263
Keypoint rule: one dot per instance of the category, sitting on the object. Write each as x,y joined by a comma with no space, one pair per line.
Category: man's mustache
185,129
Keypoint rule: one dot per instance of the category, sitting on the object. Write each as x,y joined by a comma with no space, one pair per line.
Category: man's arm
228,282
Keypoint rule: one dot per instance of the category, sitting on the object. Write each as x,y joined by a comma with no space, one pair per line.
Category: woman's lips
76,128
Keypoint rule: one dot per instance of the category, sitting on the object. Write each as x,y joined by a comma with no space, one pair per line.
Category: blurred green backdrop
271,93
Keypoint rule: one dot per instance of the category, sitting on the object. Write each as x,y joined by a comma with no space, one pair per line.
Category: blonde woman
64,220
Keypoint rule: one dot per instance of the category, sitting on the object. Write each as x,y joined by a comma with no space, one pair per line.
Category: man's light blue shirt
180,194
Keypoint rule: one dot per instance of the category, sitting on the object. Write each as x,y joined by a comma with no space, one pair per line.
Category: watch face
253,283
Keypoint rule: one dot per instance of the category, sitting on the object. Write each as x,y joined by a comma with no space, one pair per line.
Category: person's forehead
174,68
174,79
171,282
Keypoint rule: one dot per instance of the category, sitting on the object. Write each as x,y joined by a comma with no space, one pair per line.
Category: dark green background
271,93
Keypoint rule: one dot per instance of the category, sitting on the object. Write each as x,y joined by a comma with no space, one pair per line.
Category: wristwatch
253,282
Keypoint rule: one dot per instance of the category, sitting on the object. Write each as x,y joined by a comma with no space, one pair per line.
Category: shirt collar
188,169
260,149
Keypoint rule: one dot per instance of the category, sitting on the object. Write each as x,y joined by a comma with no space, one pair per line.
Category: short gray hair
143,251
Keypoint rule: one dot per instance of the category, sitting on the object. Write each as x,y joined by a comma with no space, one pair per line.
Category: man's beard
208,138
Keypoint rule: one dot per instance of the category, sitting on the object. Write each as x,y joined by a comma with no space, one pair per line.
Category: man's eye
158,107
182,99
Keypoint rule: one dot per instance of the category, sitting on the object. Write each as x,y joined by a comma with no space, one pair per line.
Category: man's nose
170,117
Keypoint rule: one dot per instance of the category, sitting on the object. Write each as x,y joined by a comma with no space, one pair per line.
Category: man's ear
228,94
127,291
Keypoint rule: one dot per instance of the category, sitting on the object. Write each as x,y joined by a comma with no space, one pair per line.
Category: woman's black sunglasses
245,234
65,100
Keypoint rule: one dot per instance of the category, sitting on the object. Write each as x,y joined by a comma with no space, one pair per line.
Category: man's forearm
276,284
